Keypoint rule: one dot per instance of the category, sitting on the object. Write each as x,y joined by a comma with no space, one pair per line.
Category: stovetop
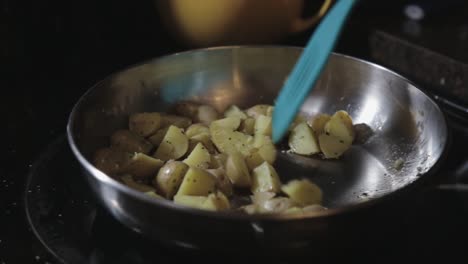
55,51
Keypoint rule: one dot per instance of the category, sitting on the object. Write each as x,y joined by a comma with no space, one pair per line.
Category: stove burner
63,214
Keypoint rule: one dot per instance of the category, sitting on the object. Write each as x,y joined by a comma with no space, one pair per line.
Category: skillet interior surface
407,127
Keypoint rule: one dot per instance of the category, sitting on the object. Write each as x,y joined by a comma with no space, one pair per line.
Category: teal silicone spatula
308,68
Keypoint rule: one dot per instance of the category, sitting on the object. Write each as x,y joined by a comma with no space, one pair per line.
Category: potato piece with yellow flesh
216,202
247,126
199,157
302,140
128,180
197,182
346,119
228,141
218,160
265,179
222,181
318,123
265,150
206,114
237,171
213,202
111,160
205,139
332,147
169,178
269,111
234,111
260,109
187,109
313,208
174,120
229,123
197,129
144,124
194,201
303,192
254,159
277,205
173,146
293,210
268,151
297,120
263,125
157,137
130,142
142,166
340,125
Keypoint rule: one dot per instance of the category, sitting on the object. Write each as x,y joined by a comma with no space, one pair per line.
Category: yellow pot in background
229,22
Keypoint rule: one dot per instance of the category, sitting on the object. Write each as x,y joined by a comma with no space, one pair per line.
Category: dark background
51,52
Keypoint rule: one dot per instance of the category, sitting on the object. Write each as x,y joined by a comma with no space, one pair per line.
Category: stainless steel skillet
407,127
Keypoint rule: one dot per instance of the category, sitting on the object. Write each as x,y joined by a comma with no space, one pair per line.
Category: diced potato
302,140
297,120
265,179
260,198
130,142
205,139
154,195
173,146
197,182
268,151
346,119
277,205
269,111
230,123
199,157
293,210
260,140
111,160
218,160
157,137
338,135
197,129
216,202
144,124
237,171
340,126
303,192
170,177
266,202
247,126
263,125
207,114
313,208
187,109
128,180
318,122
222,181
254,159
332,147
228,141
249,209
265,152
233,110
142,166
178,121
194,201
260,109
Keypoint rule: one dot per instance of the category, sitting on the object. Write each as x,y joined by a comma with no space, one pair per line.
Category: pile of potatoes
200,158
